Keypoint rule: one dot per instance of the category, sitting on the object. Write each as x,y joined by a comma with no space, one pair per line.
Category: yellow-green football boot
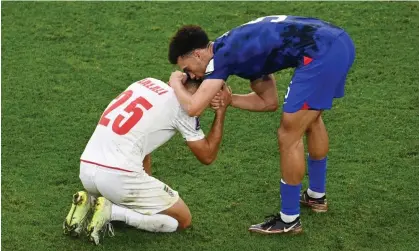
100,221
76,219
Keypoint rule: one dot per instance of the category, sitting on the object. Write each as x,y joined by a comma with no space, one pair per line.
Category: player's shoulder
223,56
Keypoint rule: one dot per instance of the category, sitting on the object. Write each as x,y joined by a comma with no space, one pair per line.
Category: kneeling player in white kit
115,166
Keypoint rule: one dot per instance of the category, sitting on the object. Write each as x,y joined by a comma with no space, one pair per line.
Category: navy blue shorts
320,80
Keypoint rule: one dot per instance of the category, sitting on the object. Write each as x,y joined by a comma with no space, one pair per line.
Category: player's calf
151,223
318,146
317,139
105,212
177,217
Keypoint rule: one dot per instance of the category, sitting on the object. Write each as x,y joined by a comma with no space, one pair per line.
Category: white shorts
137,191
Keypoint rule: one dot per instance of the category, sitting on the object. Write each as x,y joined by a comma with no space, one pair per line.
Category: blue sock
317,174
290,198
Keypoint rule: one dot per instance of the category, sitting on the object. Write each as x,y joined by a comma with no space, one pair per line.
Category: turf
62,63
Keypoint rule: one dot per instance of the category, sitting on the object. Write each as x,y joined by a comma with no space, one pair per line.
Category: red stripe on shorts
105,166
305,106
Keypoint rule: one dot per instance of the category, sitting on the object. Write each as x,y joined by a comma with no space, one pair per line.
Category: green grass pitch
63,62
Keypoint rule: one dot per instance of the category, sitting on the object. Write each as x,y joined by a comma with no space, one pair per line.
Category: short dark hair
187,39
193,82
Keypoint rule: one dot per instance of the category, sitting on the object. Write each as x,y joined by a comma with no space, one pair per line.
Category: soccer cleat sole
92,239
294,231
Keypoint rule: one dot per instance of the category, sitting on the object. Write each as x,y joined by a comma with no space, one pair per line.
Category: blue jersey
269,44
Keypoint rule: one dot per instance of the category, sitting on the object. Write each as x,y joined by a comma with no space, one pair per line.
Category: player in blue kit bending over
321,54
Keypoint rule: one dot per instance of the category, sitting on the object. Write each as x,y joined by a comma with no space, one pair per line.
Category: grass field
62,63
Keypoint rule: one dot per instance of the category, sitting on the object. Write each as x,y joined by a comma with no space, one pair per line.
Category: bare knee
185,222
288,134
283,137
180,212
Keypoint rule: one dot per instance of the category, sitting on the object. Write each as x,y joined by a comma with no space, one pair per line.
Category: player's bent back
142,118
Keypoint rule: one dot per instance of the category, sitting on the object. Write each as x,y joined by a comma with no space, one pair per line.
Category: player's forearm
215,135
147,164
250,102
190,103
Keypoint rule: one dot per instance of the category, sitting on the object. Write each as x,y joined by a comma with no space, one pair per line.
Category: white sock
314,195
118,213
288,218
151,223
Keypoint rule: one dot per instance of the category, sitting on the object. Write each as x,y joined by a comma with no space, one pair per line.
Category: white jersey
142,118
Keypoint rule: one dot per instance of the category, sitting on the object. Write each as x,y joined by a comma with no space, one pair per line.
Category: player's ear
196,53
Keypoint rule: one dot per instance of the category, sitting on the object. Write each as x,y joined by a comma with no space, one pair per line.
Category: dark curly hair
187,39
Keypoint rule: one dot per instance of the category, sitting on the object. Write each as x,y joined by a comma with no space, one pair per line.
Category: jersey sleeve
217,68
189,127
